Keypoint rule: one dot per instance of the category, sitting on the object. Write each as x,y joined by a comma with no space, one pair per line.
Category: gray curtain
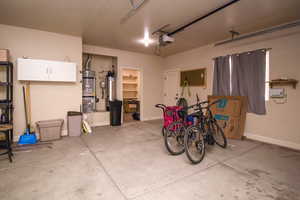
248,79
221,82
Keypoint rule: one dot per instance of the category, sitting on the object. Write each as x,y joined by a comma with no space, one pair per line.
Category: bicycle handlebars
197,104
161,106
209,105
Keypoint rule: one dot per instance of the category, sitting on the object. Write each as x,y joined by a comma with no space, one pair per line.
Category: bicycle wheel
194,144
218,135
174,137
163,131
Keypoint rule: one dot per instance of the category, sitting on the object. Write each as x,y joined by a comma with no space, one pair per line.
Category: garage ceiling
98,21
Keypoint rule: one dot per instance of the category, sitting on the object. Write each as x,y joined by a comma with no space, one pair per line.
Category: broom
28,137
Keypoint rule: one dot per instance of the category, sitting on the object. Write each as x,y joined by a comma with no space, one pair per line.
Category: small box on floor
4,55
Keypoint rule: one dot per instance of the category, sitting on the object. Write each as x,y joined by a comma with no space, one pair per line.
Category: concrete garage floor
130,162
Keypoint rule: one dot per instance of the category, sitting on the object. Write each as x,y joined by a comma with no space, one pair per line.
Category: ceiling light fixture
146,40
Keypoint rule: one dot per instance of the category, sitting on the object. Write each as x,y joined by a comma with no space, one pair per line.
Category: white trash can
74,123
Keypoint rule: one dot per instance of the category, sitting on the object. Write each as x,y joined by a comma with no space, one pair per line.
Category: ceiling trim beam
262,32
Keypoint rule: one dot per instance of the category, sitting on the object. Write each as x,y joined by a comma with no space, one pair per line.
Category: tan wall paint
49,100
53,100
151,76
281,123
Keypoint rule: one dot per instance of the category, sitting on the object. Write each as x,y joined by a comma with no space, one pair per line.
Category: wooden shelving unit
6,106
130,87
131,91
6,103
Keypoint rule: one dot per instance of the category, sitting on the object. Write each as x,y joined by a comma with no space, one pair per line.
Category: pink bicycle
173,130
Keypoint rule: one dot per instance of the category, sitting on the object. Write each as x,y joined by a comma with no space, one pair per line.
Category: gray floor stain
258,172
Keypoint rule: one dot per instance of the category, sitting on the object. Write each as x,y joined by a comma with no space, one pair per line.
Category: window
267,87
244,74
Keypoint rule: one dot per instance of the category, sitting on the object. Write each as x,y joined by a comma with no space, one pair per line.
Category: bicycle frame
205,119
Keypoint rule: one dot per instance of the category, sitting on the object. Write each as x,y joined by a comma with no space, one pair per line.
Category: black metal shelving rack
6,104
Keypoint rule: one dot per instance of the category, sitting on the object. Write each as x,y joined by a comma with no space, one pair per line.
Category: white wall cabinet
44,70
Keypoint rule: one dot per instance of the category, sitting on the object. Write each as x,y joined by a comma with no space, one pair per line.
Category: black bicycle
205,131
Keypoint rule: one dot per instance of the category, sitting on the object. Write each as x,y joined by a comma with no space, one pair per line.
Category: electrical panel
277,93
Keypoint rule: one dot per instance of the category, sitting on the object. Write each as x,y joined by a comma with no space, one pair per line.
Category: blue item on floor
190,118
27,138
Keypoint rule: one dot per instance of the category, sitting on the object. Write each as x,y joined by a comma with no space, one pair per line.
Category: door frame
140,69
178,81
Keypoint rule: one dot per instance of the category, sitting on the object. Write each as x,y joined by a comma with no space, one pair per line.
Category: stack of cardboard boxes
231,113
4,54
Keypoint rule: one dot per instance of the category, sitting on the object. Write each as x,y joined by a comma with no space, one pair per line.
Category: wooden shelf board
129,83
5,127
130,77
130,97
291,82
130,91
135,98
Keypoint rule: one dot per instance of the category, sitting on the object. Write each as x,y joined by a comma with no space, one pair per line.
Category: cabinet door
62,71
32,70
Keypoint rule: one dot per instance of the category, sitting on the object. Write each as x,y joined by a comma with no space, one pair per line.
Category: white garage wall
280,124
151,80
48,100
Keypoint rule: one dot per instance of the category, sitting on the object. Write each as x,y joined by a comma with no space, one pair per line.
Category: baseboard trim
269,140
151,118
63,133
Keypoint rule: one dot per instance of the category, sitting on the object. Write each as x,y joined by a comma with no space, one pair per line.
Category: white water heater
110,88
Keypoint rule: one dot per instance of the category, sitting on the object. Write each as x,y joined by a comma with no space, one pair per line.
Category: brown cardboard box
233,129
235,109
2,136
233,106
4,54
